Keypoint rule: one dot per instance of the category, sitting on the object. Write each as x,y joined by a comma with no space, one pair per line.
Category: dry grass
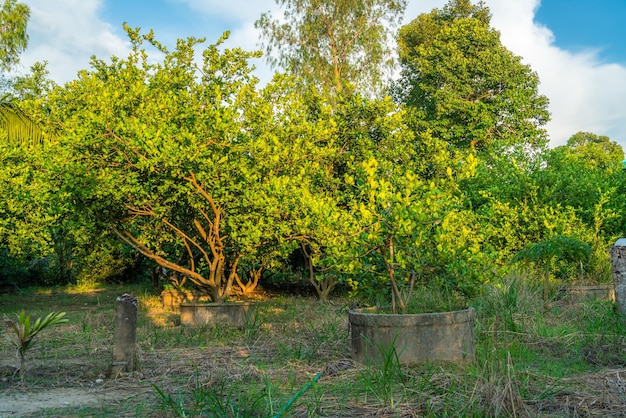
518,373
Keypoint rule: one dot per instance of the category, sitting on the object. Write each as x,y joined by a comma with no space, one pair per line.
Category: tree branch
134,242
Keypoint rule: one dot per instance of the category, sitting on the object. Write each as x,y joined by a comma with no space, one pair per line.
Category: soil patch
22,402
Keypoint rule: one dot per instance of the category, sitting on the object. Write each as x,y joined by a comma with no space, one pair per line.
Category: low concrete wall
235,314
587,293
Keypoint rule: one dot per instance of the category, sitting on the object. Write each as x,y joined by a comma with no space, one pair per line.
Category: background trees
27,210
464,85
13,37
583,173
328,43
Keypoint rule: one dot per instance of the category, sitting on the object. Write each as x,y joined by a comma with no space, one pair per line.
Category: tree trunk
323,286
254,275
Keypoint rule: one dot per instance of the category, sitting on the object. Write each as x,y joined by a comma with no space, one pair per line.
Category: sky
576,47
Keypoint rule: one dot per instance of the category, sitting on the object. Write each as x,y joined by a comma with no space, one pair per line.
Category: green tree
27,212
410,230
26,215
40,228
329,43
294,146
464,85
13,37
365,129
45,232
580,173
157,153
586,176
597,151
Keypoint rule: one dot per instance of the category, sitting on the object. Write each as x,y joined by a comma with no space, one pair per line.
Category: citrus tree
157,152
410,230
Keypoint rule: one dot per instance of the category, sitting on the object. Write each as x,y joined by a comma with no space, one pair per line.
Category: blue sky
169,18
575,46
587,24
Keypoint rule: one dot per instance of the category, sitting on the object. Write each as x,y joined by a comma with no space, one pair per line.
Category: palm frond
20,129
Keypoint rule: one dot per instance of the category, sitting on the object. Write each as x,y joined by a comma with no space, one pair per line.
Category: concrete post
125,335
618,267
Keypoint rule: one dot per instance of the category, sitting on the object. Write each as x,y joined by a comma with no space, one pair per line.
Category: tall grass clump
220,399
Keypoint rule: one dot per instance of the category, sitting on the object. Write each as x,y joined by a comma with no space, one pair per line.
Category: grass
553,359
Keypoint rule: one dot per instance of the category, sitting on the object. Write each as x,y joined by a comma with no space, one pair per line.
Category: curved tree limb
194,276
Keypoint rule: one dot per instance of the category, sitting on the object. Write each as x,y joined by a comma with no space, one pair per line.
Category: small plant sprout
26,333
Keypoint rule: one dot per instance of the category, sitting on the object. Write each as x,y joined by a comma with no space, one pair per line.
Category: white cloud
66,33
585,94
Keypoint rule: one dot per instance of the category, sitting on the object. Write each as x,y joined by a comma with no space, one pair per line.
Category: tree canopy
328,43
464,85
13,37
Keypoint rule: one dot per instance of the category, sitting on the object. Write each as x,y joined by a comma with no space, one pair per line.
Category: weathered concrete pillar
618,267
125,335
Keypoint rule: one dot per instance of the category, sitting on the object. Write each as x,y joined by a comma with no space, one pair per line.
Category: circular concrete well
416,338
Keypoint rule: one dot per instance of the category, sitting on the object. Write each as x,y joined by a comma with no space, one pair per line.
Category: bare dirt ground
21,403
82,382
53,390
66,385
